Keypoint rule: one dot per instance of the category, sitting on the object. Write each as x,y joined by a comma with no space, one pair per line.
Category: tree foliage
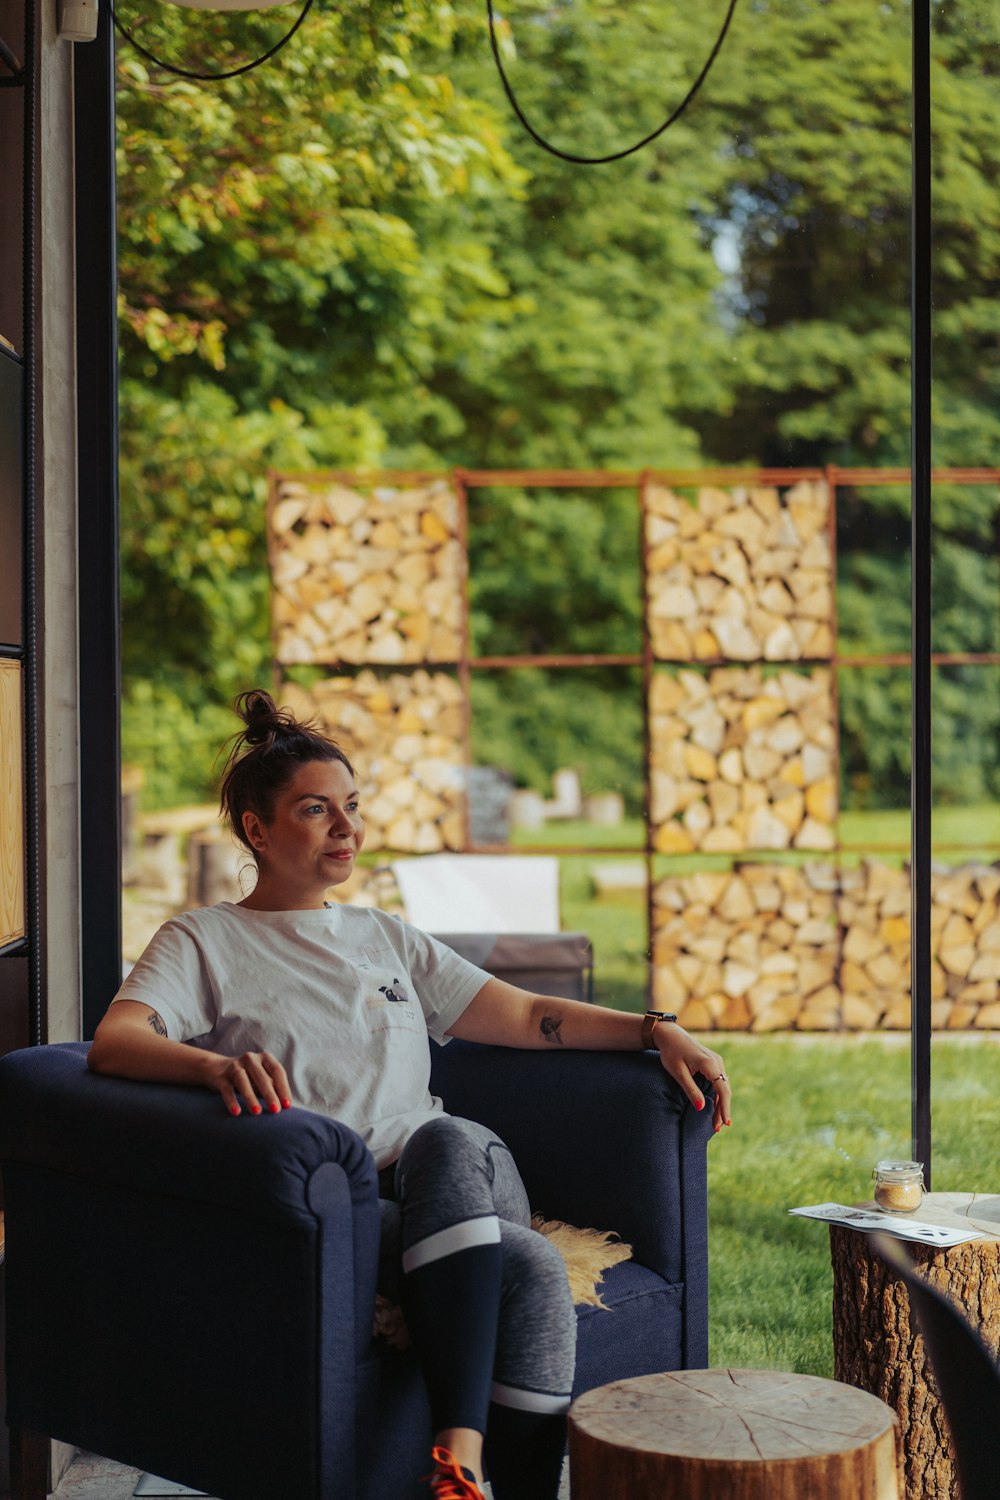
354,256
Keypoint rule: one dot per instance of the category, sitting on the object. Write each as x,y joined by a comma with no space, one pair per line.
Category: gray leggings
456,1182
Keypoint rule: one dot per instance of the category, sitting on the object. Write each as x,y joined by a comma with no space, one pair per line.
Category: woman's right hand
131,1042
247,1079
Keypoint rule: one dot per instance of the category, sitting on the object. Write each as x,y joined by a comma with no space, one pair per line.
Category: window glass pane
384,276
807,948
554,571
965,915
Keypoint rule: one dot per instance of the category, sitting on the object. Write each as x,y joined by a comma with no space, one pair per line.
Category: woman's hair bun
262,716
264,757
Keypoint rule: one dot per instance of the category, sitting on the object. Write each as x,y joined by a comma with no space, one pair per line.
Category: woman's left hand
683,1057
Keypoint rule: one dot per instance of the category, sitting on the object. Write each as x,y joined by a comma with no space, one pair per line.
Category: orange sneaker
449,1481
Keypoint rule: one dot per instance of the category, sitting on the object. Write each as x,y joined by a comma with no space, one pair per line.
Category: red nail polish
234,1109
274,1108
255,1109
286,1103
699,1104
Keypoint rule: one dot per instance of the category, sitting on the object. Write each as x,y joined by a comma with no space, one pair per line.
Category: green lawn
951,826
811,1116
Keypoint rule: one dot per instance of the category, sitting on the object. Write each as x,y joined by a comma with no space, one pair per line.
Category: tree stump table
876,1349
732,1435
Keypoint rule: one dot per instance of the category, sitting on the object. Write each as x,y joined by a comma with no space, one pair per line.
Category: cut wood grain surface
743,1434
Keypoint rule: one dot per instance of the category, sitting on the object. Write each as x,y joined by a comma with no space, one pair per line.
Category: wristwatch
651,1019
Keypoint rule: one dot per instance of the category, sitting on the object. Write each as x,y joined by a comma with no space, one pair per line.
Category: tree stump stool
732,1435
876,1349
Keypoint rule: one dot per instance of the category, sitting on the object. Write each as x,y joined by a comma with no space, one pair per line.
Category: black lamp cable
597,161
211,77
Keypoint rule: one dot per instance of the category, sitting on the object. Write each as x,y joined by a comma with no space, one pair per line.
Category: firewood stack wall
768,947
368,584
373,579
740,761
744,573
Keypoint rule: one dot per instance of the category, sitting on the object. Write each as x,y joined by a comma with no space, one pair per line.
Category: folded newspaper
902,1228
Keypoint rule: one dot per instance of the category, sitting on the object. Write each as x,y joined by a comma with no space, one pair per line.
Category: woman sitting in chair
284,997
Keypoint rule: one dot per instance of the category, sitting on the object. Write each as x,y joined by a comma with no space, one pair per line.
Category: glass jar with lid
899,1185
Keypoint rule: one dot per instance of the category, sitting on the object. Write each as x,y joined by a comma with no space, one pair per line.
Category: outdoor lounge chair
192,1294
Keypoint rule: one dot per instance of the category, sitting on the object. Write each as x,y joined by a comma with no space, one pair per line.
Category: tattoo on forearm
157,1025
549,1029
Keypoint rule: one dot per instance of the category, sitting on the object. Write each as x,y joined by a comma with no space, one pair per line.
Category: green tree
355,256
816,201
276,278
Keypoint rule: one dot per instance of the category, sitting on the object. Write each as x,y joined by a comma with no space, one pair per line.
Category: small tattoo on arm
549,1029
157,1025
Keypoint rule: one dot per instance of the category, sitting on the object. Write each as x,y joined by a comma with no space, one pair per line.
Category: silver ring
717,1077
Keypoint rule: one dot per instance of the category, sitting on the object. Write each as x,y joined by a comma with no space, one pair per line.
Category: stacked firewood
742,761
767,947
965,946
743,573
754,948
965,940
874,910
370,886
366,577
404,734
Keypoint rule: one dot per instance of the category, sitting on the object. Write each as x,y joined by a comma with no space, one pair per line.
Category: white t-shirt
343,997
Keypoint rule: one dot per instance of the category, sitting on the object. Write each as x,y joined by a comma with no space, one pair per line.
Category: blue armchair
193,1294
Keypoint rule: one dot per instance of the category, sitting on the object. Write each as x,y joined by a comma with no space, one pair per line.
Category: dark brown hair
264,758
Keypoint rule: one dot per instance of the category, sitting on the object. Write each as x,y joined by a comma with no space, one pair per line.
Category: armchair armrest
173,1140
602,1139
218,1264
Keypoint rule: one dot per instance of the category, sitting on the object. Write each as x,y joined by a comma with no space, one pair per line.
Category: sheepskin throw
587,1254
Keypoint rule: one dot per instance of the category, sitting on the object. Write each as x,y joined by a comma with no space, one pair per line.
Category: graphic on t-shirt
390,1006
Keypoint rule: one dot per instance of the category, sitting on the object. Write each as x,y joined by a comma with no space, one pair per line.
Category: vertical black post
97,438
31,607
920,790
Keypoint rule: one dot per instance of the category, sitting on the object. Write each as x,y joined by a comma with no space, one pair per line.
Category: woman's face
314,835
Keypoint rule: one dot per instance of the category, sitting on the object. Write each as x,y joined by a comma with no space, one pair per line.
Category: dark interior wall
14,984
13,966
11,162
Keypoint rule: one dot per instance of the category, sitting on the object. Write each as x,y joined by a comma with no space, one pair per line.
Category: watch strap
651,1019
